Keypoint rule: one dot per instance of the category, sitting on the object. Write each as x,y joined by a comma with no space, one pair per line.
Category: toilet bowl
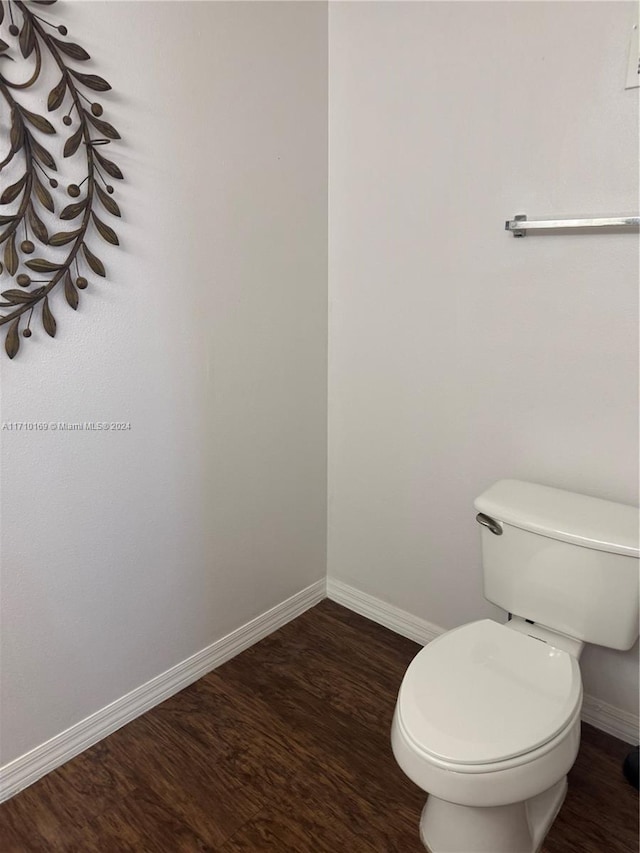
487,722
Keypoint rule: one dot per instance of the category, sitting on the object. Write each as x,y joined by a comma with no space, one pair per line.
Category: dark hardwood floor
284,748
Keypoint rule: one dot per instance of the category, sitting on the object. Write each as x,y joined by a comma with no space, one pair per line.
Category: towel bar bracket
518,232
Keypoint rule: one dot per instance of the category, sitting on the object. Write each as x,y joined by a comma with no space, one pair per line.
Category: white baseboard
31,766
397,620
607,718
614,721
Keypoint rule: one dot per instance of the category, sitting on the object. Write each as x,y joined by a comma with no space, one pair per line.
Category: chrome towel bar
519,225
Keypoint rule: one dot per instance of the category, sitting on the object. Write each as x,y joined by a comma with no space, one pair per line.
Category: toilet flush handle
487,521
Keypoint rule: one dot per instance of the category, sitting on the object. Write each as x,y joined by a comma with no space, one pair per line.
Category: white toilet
487,720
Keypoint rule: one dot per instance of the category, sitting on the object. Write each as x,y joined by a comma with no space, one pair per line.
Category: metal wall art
44,237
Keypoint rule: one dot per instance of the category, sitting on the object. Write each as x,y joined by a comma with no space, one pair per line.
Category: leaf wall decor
47,229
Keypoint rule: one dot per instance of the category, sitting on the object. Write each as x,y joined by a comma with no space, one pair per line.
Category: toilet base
514,828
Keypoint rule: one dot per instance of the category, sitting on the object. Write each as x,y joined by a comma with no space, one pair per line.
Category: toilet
487,720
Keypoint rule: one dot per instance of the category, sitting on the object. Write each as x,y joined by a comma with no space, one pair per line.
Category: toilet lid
483,693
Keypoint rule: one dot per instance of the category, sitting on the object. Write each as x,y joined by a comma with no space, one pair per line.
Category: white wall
459,355
124,553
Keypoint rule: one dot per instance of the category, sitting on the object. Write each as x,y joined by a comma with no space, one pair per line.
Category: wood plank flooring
285,748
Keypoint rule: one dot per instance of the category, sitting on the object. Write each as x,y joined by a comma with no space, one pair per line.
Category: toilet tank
566,561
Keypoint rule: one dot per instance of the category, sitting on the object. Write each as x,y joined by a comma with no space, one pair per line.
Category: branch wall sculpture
27,205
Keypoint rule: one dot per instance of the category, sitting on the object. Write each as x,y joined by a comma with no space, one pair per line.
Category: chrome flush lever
487,521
